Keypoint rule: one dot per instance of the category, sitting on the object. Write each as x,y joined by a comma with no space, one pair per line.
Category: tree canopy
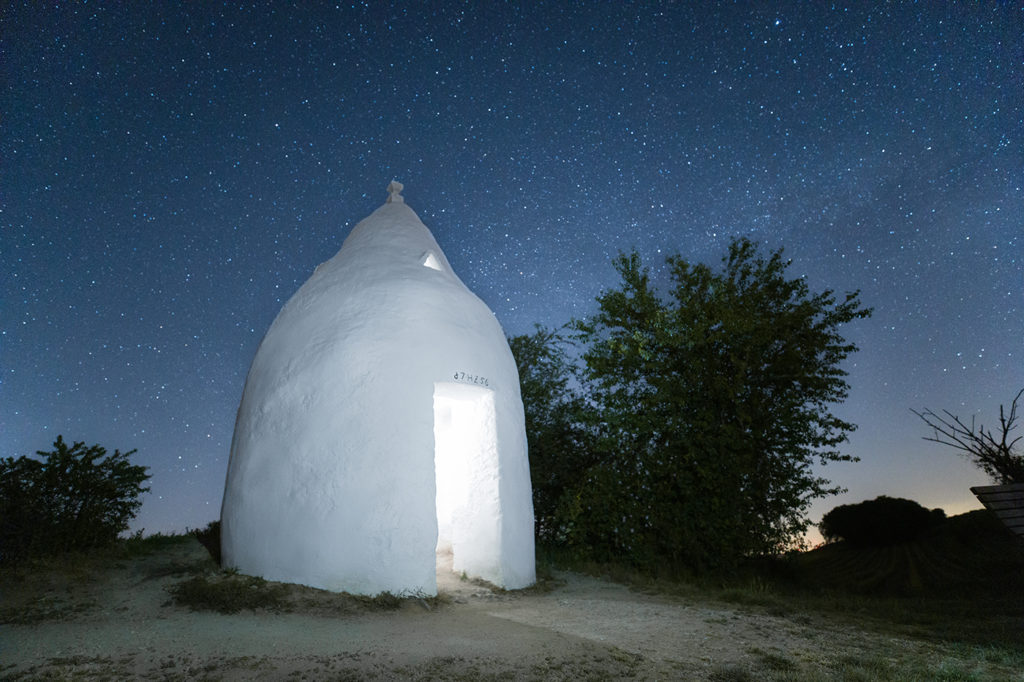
557,439
879,522
74,497
707,407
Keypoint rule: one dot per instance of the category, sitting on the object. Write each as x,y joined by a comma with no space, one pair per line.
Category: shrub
878,522
73,498
209,538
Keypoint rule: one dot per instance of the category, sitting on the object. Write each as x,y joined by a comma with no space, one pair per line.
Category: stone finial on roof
395,192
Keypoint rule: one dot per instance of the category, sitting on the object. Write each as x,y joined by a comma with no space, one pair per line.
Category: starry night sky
170,176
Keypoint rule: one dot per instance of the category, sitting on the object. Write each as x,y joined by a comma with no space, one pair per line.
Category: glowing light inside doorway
466,472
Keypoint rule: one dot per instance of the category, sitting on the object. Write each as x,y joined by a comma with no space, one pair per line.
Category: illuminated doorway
466,474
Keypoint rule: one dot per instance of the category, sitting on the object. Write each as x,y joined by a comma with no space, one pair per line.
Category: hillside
970,554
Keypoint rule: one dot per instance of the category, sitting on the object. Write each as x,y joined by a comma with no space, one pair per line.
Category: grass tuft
385,601
227,593
730,673
774,661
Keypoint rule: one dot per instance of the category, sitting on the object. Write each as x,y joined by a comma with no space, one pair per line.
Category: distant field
970,554
964,580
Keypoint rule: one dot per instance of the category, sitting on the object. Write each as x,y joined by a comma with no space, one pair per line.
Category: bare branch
992,452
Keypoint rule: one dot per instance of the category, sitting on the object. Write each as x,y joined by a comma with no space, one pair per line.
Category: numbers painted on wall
467,378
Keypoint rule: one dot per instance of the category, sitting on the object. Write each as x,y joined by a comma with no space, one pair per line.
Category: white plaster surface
331,480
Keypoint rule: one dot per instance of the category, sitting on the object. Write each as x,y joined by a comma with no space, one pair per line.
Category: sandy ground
122,626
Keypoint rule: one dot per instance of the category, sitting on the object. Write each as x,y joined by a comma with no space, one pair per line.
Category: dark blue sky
170,176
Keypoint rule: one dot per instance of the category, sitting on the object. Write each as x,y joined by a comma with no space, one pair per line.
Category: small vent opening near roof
430,260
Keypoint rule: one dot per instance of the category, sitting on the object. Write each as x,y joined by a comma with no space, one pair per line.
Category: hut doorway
466,475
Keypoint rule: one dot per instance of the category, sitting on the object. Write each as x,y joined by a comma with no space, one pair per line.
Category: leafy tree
992,451
75,497
712,407
556,437
879,522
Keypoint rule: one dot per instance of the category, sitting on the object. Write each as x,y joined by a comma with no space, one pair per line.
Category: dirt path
585,628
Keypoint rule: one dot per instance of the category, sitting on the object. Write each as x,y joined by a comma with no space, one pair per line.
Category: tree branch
991,452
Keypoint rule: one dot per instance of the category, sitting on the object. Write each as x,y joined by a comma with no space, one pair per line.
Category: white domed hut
381,422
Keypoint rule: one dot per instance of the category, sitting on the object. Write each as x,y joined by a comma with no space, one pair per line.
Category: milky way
170,176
